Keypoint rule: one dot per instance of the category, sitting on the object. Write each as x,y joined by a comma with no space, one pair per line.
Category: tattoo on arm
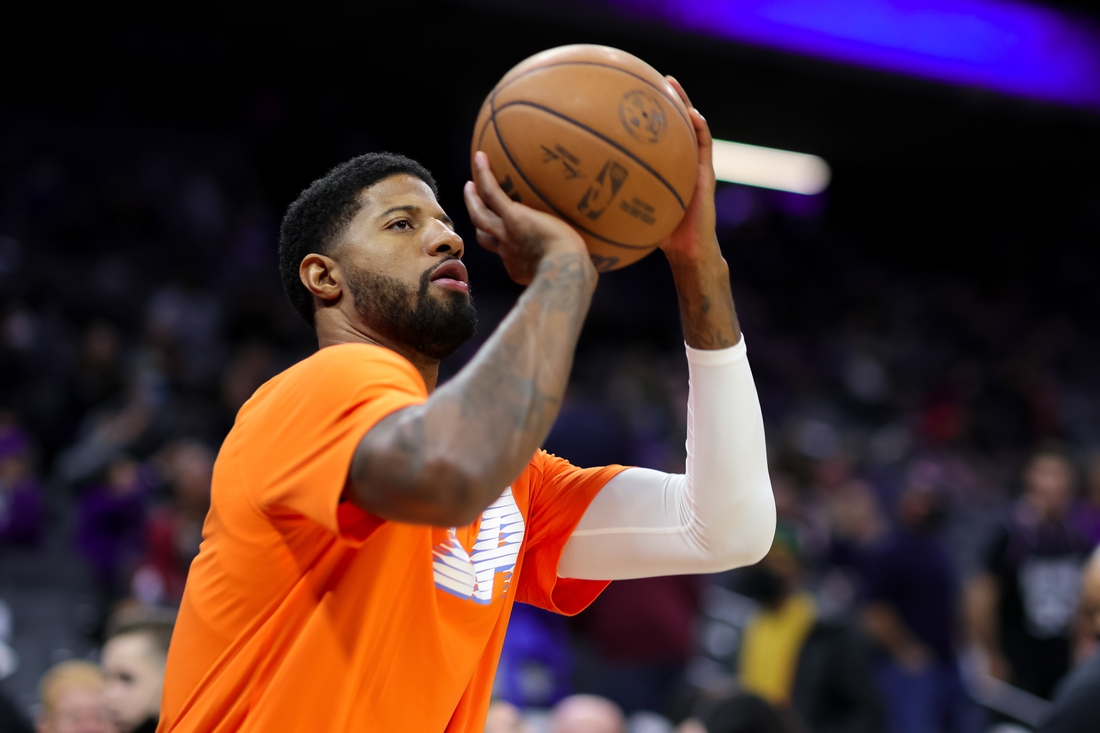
476,432
706,304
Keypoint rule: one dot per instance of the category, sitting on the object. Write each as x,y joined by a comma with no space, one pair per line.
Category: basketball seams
597,134
501,87
562,215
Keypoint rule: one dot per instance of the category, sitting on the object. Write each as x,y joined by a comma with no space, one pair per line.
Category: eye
401,225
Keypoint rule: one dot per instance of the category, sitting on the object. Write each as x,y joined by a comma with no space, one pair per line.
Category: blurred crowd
932,437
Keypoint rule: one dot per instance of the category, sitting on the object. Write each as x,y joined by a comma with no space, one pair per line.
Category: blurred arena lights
1013,48
783,170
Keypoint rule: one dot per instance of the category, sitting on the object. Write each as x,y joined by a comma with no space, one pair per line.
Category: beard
434,324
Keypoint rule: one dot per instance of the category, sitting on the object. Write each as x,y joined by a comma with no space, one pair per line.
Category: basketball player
369,532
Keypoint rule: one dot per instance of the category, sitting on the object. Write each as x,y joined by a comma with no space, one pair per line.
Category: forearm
981,613
720,514
706,301
444,461
887,628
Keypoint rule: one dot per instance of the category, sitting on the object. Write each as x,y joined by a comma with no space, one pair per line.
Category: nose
444,240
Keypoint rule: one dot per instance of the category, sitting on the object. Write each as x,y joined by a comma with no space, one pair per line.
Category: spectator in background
184,320
535,664
739,713
586,714
911,610
110,527
22,515
175,530
1088,510
643,630
72,701
1077,702
98,375
135,421
821,669
503,717
1021,607
11,719
133,664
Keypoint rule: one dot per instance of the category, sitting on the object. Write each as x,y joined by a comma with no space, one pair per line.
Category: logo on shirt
470,575
1049,588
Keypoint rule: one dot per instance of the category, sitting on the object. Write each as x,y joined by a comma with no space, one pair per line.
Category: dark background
147,148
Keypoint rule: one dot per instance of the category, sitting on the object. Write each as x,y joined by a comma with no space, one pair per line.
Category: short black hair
158,632
321,212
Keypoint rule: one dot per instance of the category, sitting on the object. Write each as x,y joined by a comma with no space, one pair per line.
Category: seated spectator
175,530
503,717
22,514
1087,512
110,522
133,664
72,701
1021,607
586,714
911,611
642,629
1077,700
536,661
821,669
11,720
741,712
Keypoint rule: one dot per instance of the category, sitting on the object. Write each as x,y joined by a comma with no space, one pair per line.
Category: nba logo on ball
597,137
642,116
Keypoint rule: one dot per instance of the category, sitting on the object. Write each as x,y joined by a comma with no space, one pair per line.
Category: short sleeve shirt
1038,565
302,612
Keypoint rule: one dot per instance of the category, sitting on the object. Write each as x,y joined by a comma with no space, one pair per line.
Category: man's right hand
521,235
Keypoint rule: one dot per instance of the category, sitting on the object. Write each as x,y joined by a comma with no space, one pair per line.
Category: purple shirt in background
110,530
912,572
22,513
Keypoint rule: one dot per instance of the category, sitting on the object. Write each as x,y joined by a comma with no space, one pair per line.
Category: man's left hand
694,237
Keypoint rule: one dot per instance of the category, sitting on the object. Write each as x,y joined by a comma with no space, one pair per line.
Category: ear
322,276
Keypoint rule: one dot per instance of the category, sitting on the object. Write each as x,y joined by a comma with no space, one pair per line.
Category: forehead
395,191
127,648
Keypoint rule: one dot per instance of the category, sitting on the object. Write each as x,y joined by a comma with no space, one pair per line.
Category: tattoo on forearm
706,310
497,411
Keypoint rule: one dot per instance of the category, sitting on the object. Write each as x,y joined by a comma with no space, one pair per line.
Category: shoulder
336,368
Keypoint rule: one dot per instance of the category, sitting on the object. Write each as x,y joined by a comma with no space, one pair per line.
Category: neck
332,332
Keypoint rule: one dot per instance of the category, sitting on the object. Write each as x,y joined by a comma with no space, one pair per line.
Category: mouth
451,275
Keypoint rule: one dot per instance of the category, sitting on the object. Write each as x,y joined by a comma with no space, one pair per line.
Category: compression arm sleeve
719,515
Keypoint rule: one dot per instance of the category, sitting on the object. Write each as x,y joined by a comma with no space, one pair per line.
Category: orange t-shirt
305,613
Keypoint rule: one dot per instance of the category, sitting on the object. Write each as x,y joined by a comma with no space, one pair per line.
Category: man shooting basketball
369,533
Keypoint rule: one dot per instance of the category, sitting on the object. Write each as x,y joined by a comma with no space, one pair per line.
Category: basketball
597,137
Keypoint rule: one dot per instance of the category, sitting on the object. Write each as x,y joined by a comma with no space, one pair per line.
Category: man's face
1049,482
401,257
135,674
78,709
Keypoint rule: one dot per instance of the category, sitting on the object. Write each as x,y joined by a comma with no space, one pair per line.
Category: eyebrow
414,209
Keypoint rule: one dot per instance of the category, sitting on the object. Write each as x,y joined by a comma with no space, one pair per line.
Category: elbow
449,494
747,539
461,500
440,493
761,539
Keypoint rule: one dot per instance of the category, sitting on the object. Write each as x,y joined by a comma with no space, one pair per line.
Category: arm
887,628
444,461
982,595
720,514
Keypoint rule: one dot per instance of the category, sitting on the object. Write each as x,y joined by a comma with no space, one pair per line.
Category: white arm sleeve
719,515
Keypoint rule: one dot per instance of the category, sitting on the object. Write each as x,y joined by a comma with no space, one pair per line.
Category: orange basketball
597,137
